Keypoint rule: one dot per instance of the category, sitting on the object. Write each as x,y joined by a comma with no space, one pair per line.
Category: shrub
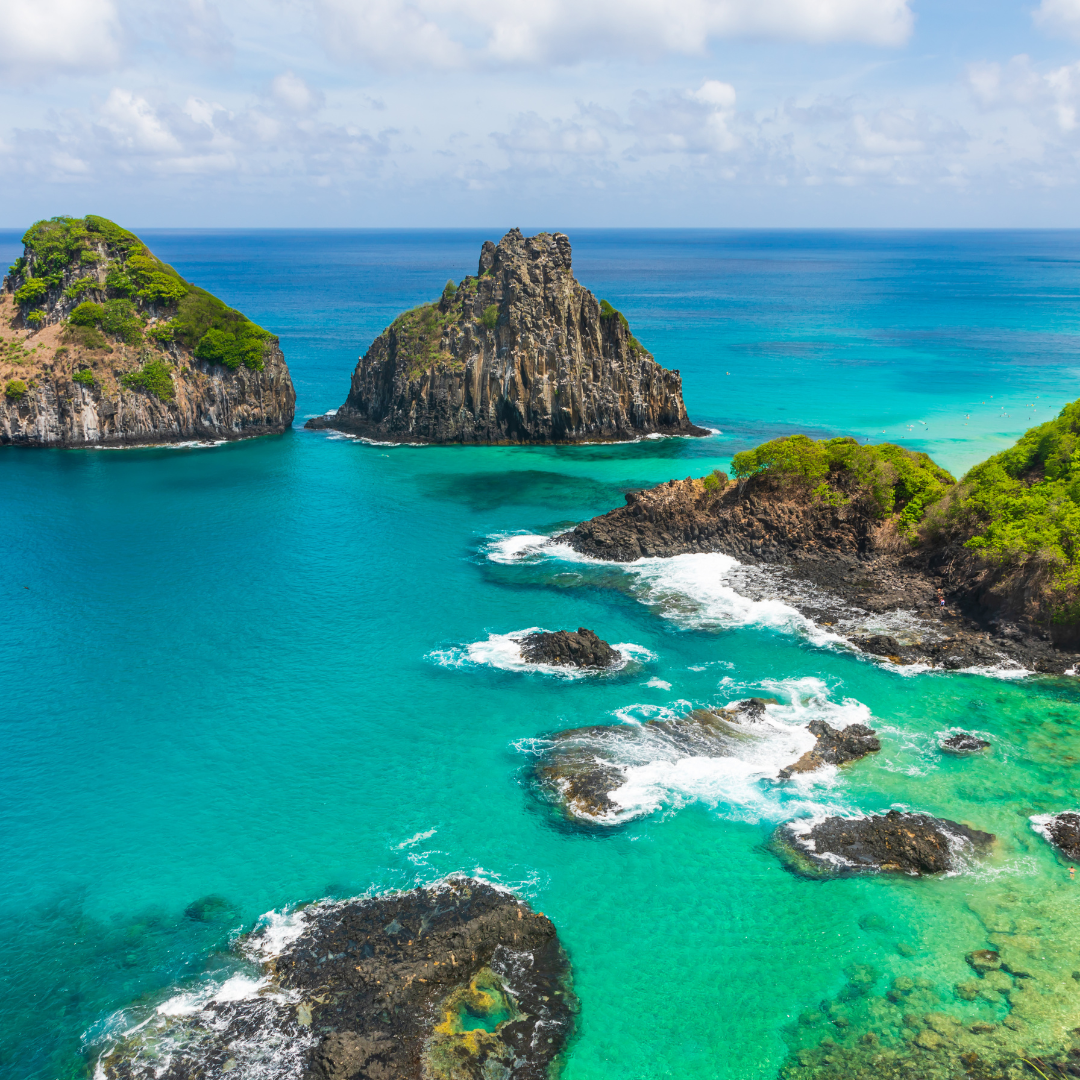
490,316
87,314
118,283
85,377
244,346
15,388
886,477
89,337
162,333
154,377
81,286
18,266
54,243
31,292
36,317
119,317
715,482
154,281
449,289
89,258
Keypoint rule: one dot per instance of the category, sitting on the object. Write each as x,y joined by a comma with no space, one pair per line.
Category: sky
603,113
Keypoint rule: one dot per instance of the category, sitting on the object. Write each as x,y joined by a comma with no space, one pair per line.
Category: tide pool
269,672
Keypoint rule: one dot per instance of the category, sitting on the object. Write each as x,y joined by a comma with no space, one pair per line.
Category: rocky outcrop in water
521,353
582,768
565,648
459,981
963,742
1062,830
838,561
895,842
102,344
835,746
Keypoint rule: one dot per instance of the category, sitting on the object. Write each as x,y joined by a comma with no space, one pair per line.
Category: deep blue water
244,670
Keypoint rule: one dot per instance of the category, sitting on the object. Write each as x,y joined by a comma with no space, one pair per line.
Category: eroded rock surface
459,981
897,842
835,746
521,353
1062,830
582,649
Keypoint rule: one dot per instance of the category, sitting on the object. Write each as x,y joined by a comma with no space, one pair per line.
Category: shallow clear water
245,671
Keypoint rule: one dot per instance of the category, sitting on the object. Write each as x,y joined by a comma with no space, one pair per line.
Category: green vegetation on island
125,293
887,478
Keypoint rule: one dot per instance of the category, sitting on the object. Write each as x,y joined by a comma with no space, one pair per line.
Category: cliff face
101,344
521,353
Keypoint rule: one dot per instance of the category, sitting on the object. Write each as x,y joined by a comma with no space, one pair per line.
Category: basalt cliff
102,344
855,536
521,353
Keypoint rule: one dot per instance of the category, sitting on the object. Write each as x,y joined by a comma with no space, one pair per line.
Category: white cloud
1041,99
456,33
295,94
38,37
135,124
1059,17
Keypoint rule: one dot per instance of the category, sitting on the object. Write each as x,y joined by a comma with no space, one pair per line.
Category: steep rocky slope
102,344
521,353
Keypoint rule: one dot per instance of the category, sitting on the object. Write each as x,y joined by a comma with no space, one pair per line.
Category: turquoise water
245,671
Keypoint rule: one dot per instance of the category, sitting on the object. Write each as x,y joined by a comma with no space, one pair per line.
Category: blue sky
380,113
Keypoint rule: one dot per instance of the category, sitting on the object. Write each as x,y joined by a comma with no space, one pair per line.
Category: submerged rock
896,842
582,649
583,767
459,981
1062,830
835,746
963,742
520,353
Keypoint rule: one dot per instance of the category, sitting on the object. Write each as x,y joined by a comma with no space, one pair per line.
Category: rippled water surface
279,670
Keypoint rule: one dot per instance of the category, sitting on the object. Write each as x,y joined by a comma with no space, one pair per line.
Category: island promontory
103,344
520,353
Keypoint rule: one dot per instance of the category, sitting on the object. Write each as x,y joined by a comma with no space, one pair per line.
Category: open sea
276,670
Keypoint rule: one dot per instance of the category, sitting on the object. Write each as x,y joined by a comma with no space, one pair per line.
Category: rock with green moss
117,348
457,981
521,353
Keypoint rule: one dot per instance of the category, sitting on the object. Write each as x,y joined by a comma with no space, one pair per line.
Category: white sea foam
737,777
416,839
658,684
503,651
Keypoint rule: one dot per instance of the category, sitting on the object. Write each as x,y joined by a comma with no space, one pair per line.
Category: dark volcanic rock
963,742
1062,830
835,562
521,353
582,767
459,981
897,842
835,746
565,647
752,708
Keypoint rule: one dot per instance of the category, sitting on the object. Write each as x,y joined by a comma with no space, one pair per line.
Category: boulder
835,746
567,648
895,842
963,742
1062,830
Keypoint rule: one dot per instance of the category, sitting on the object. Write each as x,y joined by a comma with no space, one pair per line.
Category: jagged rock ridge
102,344
521,353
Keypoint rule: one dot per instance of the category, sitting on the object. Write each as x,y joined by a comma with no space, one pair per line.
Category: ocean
277,670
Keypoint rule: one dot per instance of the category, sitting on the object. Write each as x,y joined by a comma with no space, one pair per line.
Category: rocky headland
567,648
102,344
459,981
851,534
895,842
520,353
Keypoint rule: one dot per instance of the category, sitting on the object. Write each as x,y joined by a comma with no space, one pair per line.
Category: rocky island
457,981
857,531
520,353
103,344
